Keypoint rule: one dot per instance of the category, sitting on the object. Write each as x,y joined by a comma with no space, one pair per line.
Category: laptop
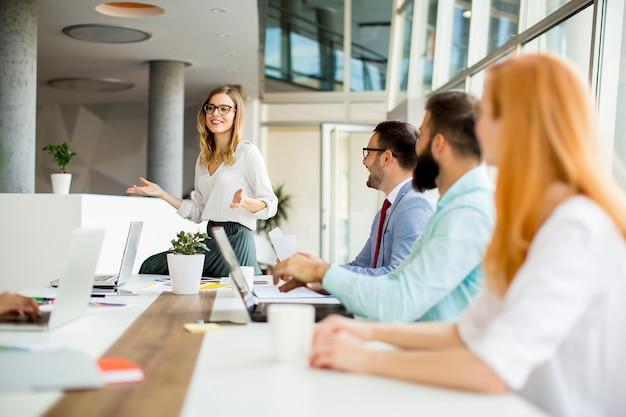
257,311
74,292
112,281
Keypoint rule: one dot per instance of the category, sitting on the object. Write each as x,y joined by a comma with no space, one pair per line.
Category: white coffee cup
291,330
248,273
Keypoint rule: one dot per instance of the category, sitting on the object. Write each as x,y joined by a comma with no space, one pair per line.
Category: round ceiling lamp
93,32
129,9
95,85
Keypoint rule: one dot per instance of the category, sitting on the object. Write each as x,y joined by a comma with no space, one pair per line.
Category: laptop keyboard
12,318
105,277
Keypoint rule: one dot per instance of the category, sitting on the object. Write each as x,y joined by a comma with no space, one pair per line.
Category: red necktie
383,214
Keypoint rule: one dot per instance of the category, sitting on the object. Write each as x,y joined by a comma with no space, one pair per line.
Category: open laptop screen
228,254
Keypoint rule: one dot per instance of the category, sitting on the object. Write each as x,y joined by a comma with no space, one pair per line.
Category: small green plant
284,204
187,243
62,155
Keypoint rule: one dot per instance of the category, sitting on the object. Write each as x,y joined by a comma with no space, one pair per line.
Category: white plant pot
185,272
61,183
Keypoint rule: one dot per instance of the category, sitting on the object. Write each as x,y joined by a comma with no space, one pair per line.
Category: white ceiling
187,31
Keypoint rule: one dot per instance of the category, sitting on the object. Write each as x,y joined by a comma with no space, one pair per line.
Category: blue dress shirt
442,273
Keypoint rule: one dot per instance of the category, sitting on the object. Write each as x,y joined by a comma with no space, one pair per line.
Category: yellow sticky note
212,286
202,327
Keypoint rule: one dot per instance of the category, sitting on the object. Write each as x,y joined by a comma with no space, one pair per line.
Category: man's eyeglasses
222,109
366,151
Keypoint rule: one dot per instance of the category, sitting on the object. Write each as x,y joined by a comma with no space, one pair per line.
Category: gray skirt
241,238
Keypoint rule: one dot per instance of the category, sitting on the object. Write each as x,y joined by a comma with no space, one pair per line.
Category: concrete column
166,125
18,95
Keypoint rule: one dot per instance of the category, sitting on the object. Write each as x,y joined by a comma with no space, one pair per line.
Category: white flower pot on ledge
61,183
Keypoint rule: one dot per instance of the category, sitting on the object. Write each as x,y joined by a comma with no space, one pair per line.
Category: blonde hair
548,137
206,137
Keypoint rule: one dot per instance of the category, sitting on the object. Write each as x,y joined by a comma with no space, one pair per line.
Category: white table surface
235,373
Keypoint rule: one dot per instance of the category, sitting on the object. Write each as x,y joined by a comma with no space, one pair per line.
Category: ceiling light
219,10
467,14
224,35
96,85
128,9
229,55
231,70
94,32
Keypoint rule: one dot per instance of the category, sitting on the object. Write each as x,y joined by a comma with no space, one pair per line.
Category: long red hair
548,136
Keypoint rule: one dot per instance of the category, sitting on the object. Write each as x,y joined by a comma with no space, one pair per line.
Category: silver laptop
128,260
257,311
74,292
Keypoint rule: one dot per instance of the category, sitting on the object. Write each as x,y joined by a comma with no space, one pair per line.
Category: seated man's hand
317,287
302,268
18,304
290,284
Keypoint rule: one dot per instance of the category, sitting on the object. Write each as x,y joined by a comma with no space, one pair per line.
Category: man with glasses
443,272
390,159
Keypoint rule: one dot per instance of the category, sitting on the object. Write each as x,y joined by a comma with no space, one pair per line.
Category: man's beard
425,171
376,175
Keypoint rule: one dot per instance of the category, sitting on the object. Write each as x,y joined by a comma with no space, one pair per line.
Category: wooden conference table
229,372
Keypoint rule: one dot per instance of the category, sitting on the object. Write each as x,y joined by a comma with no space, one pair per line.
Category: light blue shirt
442,273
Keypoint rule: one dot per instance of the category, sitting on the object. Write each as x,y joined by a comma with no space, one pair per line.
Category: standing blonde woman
232,187
550,322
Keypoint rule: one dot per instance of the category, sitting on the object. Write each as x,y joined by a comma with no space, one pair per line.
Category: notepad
117,370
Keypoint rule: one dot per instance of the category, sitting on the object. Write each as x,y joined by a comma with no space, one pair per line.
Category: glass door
347,204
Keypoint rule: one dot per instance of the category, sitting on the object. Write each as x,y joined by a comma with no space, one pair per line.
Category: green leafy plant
187,243
62,155
284,204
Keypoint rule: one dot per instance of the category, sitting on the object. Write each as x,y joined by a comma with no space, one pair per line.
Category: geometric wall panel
111,143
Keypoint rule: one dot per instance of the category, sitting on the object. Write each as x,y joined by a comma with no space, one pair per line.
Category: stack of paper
284,245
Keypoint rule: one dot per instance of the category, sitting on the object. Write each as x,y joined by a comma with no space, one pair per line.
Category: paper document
285,246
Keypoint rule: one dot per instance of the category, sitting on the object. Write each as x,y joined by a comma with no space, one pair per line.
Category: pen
98,303
43,298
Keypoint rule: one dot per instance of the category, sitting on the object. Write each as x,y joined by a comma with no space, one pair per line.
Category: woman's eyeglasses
222,109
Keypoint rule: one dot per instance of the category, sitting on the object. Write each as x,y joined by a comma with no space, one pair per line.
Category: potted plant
185,261
284,204
62,156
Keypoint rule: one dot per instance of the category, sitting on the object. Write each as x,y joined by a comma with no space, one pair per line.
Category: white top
559,334
214,193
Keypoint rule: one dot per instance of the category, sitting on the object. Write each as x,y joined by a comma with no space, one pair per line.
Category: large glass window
618,162
305,40
460,36
406,46
370,44
503,22
536,10
428,58
304,46
571,39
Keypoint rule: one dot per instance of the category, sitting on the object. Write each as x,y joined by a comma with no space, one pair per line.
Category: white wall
36,230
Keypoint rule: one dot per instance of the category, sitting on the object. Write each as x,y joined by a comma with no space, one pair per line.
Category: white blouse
559,334
214,193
